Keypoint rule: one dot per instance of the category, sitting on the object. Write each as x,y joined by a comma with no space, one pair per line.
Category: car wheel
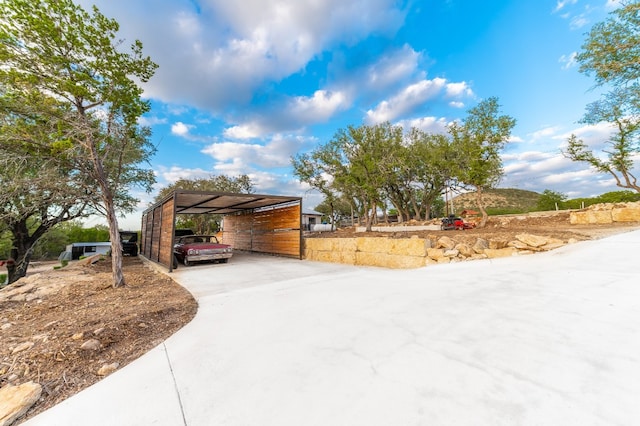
224,260
186,262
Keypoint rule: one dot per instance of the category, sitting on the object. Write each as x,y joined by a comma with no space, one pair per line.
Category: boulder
464,249
501,252
451,253
532,240
626,214
497,244
480,245
445,243
435,253
16,400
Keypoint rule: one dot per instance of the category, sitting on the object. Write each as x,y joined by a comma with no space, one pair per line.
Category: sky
242,86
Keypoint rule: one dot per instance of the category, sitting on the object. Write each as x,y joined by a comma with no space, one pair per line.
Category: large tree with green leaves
479,139
611,53
56,49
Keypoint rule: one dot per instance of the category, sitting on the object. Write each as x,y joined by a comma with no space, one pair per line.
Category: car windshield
194,239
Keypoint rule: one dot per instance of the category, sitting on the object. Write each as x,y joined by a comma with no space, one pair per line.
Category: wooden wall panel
166,236
155,235
275,231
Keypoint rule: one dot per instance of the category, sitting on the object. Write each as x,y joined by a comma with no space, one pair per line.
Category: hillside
499,200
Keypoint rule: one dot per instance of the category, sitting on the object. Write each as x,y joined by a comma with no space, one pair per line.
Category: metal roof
206,202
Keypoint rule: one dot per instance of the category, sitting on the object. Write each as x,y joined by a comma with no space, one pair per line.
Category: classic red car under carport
200,248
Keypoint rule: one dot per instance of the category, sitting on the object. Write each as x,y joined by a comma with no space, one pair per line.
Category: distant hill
500,200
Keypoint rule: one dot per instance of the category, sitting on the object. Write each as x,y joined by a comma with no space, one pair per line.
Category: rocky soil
66,329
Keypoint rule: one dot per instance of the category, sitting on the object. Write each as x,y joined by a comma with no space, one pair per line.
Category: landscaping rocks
16,400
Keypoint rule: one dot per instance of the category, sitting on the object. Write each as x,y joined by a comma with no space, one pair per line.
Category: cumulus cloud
455,90
169,175
216,53
407,99
238,156
426,124
181,129
320,107
391,67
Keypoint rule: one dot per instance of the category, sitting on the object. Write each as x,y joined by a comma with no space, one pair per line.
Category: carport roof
204,202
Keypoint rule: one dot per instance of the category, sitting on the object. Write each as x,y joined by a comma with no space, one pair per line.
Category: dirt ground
548,224
129,321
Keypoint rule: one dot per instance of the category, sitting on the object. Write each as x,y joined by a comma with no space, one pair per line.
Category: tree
206,223
612,49
619,108
612,53
37,191
311,169
56,48
435,161
550,200
480,138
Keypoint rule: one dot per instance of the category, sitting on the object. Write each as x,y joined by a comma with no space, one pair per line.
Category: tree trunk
480,202
22,249
116,246
369,217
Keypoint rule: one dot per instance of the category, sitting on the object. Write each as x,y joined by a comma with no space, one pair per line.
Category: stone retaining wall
606,213
417,252
414,252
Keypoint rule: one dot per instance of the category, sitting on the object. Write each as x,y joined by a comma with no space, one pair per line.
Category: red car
199,248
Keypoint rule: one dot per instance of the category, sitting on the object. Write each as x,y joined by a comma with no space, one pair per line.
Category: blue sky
242,86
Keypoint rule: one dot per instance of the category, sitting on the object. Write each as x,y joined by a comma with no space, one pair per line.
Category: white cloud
407,99
613,4
547,132
320,107
568,61
169,175
244,131
458,89
394,66
240,156
578,22
151,120
562,3
456,104
426,124
216,53
181,129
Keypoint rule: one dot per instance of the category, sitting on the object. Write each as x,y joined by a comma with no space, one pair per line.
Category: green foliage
612,52
479,139
70,102
550,200
612,49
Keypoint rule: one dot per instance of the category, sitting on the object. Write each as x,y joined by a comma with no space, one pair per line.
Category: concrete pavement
551,338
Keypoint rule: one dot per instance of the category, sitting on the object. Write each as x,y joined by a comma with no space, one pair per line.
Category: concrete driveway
547,339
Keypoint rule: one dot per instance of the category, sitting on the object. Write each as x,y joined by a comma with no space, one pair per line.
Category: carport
252,222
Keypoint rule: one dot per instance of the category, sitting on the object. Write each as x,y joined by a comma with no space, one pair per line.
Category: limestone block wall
414,252
606,213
